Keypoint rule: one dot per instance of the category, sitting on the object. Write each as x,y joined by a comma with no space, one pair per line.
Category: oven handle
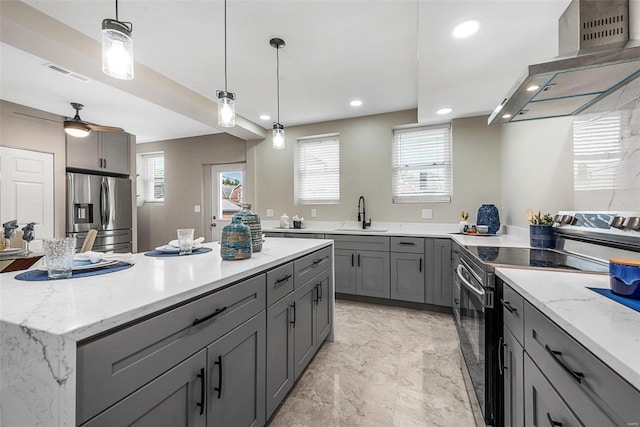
467,284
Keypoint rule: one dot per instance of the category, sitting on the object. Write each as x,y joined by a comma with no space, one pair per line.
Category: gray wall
365,169
187,183
35,130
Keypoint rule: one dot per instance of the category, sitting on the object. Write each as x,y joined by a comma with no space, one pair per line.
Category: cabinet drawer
311,265
279,282
513,312
113,366
412,245
365,243
588,386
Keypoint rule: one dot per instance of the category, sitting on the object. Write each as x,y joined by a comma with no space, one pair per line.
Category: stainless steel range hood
596,58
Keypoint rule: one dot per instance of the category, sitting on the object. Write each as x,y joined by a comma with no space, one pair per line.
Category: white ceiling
391,54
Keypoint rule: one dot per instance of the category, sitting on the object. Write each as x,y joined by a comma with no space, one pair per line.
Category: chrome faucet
362,215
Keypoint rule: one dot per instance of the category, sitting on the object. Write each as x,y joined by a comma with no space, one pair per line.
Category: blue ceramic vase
252,220
488,215
235,243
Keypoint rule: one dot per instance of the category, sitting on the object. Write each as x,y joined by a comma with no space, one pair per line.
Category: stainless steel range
584,242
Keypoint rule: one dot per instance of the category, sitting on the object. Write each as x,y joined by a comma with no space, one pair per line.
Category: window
421,159
597,154
318,170
152,175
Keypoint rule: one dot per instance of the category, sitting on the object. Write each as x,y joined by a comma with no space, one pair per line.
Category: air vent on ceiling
67,73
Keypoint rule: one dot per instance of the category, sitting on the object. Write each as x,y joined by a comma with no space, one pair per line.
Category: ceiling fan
79,128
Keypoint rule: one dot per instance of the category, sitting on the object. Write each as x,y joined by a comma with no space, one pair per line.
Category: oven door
472,329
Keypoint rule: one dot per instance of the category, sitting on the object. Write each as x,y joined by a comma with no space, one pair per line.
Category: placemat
39,275
164,254
633,304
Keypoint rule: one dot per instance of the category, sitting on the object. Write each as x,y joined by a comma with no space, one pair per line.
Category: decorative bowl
624,277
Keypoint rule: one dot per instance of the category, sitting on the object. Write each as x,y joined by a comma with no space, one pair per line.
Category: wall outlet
314,213
196,208
269,213
427,213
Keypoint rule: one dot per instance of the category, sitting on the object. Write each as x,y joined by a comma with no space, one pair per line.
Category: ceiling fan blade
105,128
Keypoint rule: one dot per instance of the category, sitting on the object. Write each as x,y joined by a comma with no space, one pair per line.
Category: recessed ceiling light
506,116
356,103
466,29
533,88
444,111
265,117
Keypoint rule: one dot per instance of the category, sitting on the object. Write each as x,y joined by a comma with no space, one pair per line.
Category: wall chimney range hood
596,58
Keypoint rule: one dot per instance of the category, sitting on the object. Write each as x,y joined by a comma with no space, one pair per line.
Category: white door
26,189
227,197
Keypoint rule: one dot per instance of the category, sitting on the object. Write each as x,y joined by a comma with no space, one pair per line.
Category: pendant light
226,99
76,126
278,129
117,48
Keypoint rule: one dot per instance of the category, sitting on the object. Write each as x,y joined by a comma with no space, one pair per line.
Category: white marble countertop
608,329
514,236
82,307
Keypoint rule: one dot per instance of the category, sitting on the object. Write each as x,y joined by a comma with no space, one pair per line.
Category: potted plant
541,231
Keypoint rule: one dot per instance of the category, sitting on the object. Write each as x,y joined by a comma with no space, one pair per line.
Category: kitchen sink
366,230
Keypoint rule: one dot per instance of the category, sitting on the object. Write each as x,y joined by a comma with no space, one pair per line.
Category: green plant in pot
541,231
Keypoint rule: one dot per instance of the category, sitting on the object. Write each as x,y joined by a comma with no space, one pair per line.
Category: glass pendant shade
226,109
278,136
117,49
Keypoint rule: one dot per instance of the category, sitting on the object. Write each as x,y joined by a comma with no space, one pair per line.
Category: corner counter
42,323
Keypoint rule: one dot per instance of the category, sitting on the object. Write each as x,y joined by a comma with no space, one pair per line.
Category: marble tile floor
388,366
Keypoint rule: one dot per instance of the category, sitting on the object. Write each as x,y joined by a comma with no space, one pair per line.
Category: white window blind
318,170
422,164
597,152
153,177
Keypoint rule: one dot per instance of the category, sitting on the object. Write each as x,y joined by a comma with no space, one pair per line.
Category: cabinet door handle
578,376
214,314
318,261
553,423
406,243
352,257
358,260
320,290
293,322
202,390
510,309
219,388
105,163
284,279
420,265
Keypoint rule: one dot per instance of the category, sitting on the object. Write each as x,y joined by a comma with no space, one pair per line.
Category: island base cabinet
236,373
543,406
280,372
175,399
513,380
323,308
303,326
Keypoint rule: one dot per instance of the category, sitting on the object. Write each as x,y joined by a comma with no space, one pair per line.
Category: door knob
214,224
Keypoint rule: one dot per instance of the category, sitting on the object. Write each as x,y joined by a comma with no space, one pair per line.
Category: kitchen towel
41,275
633,304
200,250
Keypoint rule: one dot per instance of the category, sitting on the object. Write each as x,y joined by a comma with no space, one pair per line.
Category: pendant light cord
225,45
278,81
117,10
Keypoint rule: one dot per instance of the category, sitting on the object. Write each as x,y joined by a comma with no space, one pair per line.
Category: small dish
168,249
86,265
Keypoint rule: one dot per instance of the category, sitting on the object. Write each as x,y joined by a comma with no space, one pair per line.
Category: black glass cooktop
534,257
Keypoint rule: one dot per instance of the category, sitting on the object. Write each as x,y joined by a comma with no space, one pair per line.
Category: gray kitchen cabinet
174,399
512,369
407,277
373,277
439,279
304,342
236,376
323,307
105,152
543,406
345,263
280,365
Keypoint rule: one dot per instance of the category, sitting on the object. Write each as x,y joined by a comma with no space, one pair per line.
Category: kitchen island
43,324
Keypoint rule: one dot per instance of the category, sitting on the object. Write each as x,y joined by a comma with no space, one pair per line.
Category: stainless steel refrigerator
102,203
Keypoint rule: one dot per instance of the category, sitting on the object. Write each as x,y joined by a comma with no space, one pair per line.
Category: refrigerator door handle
108,198
103,203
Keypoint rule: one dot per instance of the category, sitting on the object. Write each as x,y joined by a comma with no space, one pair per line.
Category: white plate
87,265
10,251
168,249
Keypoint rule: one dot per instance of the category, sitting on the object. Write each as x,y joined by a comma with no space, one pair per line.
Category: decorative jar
252,220
235,243
624,276
488,215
